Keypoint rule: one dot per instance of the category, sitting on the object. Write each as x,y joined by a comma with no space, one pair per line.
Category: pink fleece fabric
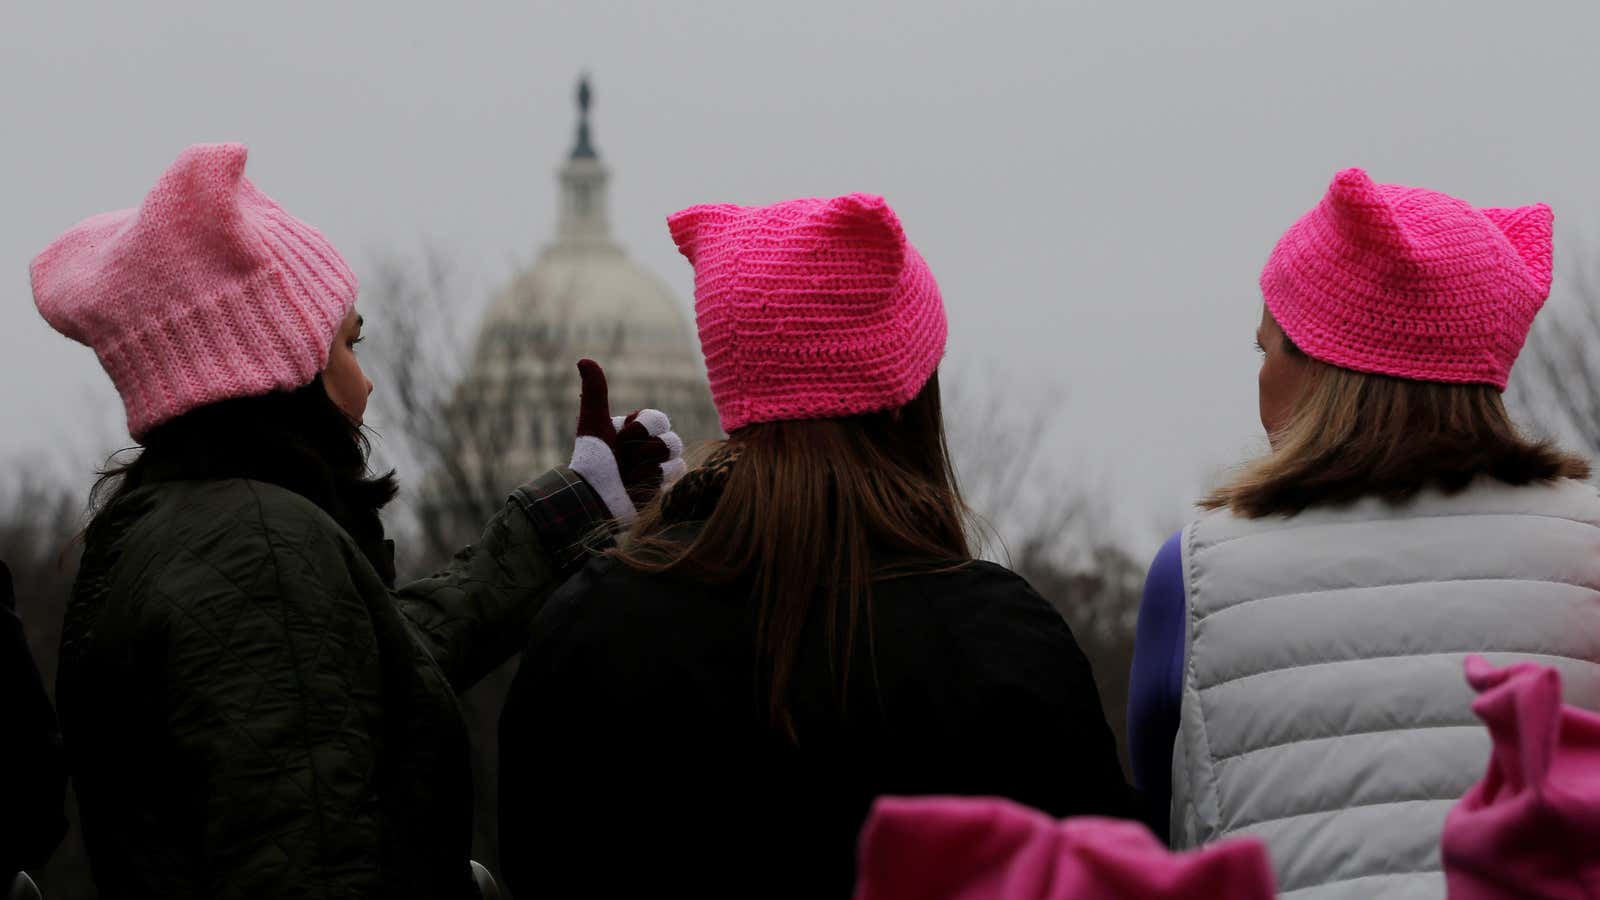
1531,827
811,308
1408,282
964,848
207,291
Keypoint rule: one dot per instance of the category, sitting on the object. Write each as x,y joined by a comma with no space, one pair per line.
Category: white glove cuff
592,459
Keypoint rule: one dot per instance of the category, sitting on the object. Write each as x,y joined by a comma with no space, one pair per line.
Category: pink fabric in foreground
947,848
1531,827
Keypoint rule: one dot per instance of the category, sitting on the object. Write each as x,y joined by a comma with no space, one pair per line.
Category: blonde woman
1299,668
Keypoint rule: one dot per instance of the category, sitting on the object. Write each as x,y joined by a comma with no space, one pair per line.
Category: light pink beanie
207,291
966,848
1408,282
1531,827
811,308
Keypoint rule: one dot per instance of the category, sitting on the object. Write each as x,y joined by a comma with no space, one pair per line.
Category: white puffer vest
1324,707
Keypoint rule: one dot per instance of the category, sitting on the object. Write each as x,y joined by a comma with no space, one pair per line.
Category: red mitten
627,460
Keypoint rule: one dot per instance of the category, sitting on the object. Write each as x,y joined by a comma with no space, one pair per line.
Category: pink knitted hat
1409,282
964,848
810,309
1531,827
207,291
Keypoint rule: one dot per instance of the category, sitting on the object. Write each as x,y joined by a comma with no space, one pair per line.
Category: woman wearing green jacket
251,708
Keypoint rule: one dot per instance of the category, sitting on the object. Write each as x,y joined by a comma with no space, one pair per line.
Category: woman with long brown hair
799,625
1298,674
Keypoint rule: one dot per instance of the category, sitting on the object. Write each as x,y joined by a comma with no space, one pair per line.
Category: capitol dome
582,297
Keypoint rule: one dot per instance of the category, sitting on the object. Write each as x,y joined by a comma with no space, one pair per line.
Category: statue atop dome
583,147
583,222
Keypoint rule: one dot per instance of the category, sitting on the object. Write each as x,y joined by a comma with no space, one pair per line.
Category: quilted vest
1324,707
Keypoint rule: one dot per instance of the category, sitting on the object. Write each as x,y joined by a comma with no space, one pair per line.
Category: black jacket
252,711
33,769
636,759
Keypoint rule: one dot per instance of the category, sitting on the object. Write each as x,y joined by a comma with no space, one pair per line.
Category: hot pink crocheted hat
1408,282
207,291
811,308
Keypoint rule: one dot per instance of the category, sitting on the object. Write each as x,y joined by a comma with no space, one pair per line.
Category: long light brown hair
810,515
1353,434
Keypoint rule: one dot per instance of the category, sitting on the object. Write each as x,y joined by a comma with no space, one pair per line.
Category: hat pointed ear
205,177
1360,210
1521,704
205,185
1531,230
685,226
869,218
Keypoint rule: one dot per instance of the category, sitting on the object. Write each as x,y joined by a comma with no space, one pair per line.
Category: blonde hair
1354,435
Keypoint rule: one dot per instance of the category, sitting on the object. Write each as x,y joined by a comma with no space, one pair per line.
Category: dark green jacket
33,773
251,712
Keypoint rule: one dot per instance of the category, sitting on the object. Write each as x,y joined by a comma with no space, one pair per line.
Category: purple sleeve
1156,682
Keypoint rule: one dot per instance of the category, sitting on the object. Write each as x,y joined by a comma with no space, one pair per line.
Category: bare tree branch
1556,385
1051,527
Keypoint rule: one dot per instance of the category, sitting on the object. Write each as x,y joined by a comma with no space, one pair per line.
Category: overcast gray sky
1095,184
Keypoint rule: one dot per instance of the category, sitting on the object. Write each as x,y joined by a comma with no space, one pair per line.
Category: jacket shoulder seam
1335,523
1395,584
1475,726
1496,651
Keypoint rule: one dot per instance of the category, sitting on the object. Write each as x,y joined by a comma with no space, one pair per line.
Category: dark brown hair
1354,435
298,440
810,514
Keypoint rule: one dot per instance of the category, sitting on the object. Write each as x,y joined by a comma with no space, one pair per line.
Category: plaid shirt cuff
568,516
